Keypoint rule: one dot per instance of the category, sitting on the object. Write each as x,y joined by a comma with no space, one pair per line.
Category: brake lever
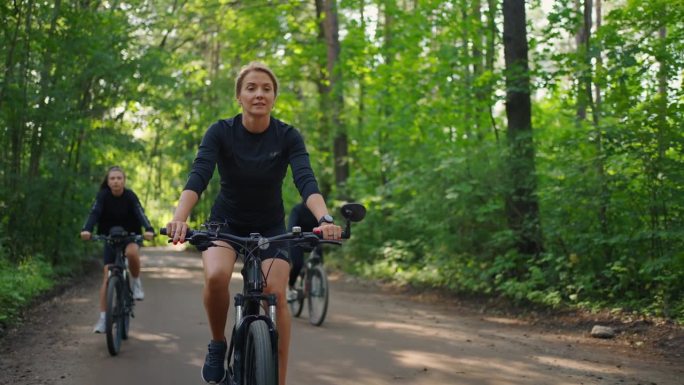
203,246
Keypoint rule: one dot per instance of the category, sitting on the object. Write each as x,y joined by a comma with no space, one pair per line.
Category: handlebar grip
344,235
188,233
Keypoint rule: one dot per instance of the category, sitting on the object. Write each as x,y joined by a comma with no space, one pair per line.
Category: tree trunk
9,60
595,104
18,121
388,55
478,66
659,209
340,146
41,131
362,89
5,97
324,91
490,54
582,40
522,207
586,99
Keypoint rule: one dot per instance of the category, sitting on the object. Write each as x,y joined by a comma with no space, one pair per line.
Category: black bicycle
312,286
253,351
119,298
312,283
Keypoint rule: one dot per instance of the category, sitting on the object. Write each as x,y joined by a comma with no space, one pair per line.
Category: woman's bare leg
218,268
103,289
133,255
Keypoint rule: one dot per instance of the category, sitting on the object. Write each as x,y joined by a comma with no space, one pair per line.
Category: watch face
326,218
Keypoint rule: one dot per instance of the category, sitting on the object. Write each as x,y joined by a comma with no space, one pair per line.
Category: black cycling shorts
110,252
278,250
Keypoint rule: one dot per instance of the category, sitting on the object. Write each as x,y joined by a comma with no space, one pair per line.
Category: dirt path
369,338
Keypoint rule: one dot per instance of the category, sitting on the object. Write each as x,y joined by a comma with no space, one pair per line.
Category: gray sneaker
138,293
292,295
214,371
100,326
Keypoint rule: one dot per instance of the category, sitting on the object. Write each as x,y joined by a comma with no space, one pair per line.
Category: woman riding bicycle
115,205
252,151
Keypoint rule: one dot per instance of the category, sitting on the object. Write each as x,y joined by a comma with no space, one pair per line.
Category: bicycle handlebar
132,237
352,212
203,237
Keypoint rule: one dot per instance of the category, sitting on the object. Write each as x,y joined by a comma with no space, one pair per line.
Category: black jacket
109,210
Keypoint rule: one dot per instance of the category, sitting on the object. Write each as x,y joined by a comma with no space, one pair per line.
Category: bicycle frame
119,265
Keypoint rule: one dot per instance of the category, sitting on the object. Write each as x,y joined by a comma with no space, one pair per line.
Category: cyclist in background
301,216
252,151
115,205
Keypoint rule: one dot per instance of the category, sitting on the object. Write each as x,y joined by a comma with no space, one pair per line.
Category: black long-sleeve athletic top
252,168
109,210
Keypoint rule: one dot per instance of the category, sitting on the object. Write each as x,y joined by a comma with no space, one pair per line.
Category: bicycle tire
113,318
260,363
317,297
127,308
297,305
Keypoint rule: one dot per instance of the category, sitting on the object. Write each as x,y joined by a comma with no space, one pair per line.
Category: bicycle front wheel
114,314
296,305
127,308
260,360
318,295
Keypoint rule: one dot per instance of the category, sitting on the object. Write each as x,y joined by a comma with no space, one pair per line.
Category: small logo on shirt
273,154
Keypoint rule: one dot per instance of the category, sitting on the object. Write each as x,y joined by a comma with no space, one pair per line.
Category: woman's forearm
187,201
316,205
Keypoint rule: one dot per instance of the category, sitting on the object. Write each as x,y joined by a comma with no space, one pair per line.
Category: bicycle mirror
353,212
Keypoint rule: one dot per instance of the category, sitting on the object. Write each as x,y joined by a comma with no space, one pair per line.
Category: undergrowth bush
20,284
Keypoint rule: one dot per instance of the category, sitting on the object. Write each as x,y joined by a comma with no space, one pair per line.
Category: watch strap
327,218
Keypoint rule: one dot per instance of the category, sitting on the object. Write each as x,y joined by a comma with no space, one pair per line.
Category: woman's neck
256,124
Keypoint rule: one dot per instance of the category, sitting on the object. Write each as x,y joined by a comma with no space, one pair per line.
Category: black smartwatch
327,218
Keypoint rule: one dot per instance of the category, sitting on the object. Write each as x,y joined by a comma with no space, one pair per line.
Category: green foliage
19,284
137,84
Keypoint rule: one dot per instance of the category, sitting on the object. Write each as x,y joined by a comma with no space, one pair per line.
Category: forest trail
370,337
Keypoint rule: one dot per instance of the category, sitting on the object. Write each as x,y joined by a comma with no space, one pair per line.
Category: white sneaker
138,292
291,295
99,326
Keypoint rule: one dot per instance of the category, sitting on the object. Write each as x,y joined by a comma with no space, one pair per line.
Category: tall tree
522,207
585,99
40,131
332,92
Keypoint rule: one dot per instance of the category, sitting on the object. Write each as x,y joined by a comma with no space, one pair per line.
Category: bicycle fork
240,312
246,312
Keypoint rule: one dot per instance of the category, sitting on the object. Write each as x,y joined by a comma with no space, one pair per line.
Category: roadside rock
599,331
